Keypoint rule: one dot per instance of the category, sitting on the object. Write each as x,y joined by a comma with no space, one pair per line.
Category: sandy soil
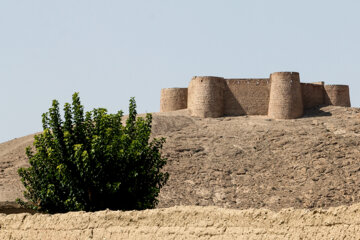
12,157
244,162
241,163
254,162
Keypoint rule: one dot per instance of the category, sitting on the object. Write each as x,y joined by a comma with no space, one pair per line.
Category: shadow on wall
337,95
236,109
13,208
316,112
246,96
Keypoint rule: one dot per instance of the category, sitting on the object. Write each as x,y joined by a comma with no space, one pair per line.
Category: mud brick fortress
281,96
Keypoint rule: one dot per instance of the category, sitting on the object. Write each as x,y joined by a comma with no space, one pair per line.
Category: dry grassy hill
244,162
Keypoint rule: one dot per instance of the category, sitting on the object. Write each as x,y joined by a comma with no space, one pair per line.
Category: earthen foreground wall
191,222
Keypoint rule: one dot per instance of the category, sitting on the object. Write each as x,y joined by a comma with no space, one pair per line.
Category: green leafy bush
92,161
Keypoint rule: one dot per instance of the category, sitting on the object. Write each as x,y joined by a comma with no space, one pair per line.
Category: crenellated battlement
282,96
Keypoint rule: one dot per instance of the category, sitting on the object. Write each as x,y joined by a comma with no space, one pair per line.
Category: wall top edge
336,85
207,77
286,72
314,84
244,79
174,88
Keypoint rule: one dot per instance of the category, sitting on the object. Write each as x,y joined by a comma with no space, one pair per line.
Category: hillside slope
244,162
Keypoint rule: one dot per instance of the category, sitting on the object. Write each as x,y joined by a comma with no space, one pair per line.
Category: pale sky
112,50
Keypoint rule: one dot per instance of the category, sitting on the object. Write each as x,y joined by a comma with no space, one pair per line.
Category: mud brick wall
318,83
281,96
246,96
190,222
312,94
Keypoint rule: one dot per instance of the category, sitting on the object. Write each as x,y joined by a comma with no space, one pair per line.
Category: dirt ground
256,162
244,162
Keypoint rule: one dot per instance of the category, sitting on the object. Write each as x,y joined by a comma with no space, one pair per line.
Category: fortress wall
280,97
312,94
246,96
337,95
206,96
318,83
285,100
173,99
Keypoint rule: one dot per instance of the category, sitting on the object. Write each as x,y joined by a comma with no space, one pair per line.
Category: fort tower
285,96
337,95
206,96
173,99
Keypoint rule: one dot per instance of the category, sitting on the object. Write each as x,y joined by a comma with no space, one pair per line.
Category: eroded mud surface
244,162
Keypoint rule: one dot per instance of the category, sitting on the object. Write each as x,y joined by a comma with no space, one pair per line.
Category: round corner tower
337,95
206,96
173,99
285,96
